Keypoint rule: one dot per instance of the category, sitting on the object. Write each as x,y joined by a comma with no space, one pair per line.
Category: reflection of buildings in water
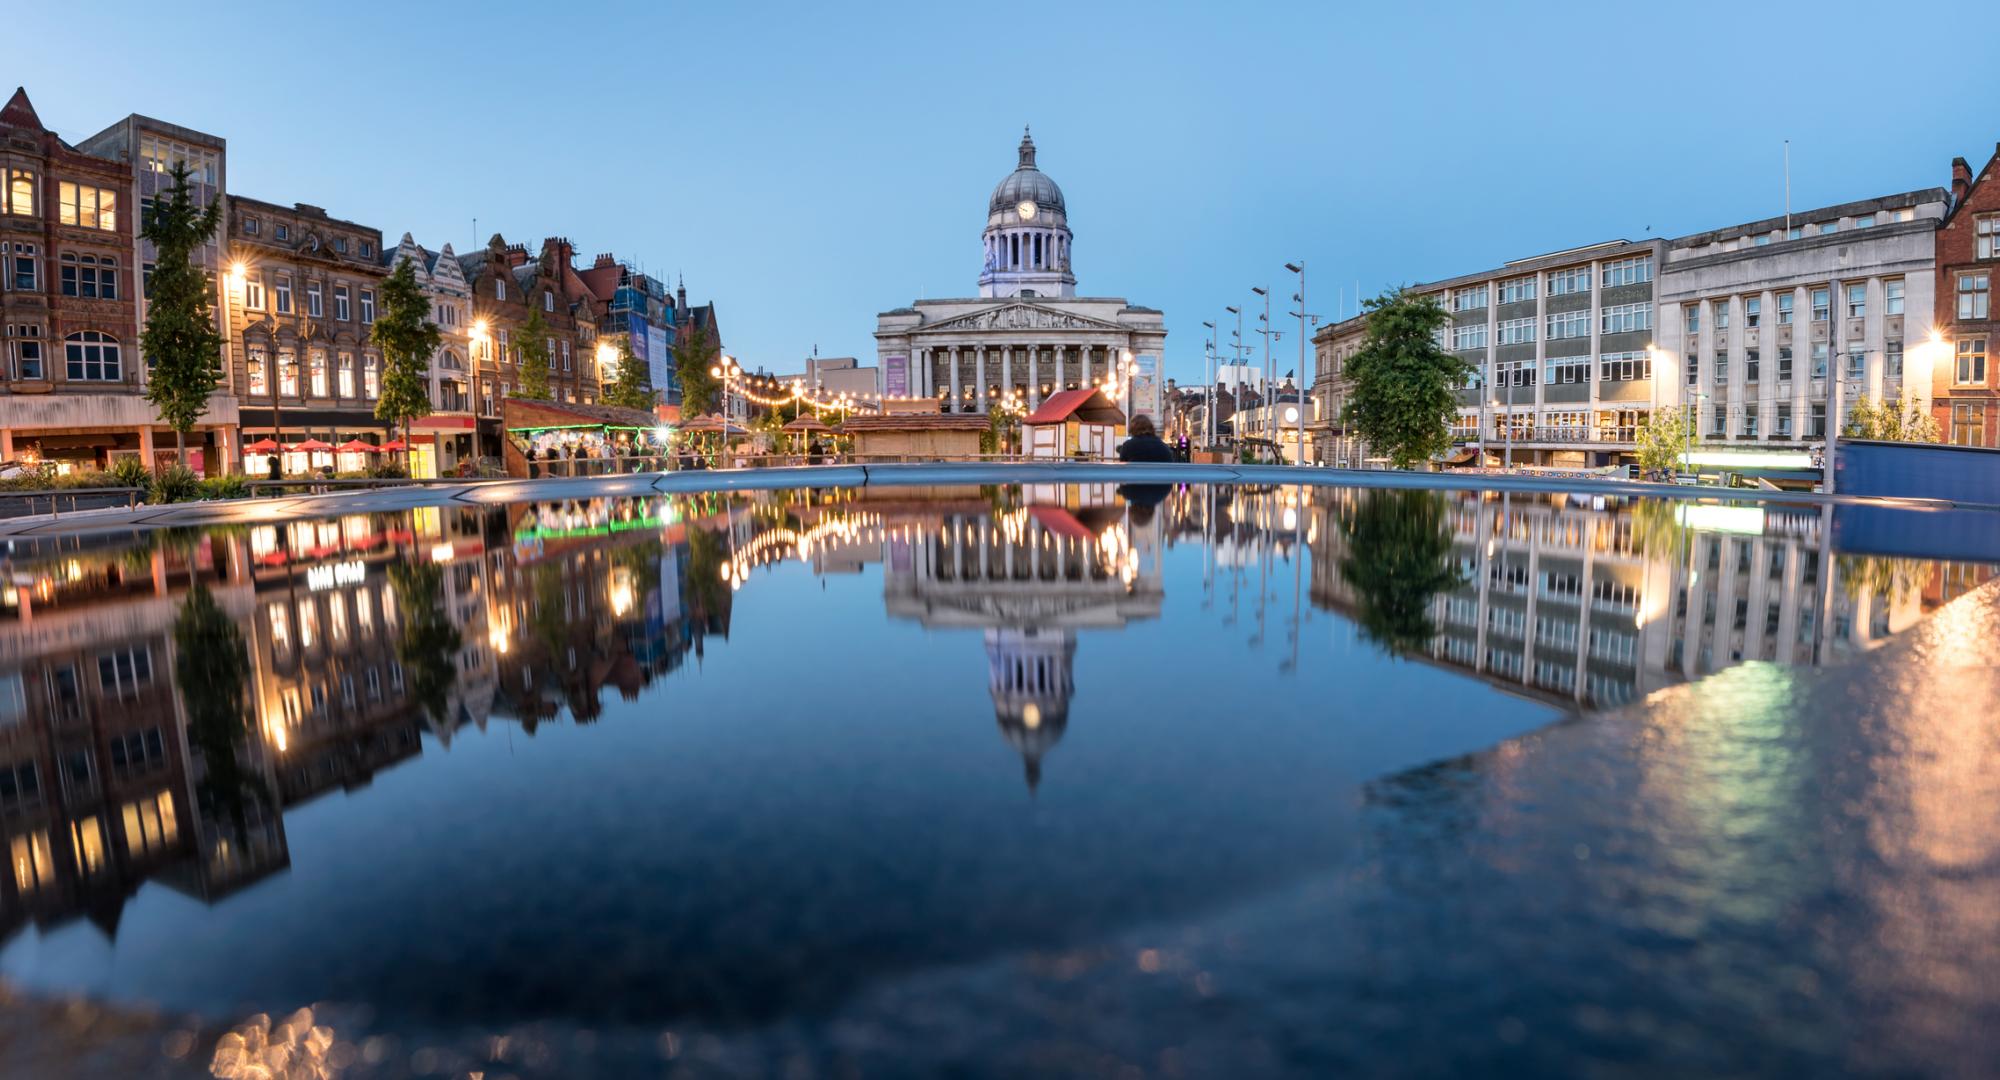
1030,576
1580,600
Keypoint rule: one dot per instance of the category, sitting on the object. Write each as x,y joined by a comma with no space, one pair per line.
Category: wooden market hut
526,418
1073,423
928,435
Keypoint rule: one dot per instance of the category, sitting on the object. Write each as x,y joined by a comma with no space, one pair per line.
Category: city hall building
1027,332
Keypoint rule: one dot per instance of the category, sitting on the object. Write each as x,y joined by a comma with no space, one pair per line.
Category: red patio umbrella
261,446
311,444
356,446
392,444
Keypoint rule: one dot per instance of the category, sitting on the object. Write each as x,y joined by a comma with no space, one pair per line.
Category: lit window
18,196
92,357
344,371
371,385
288,373
316,371
90,207
255,362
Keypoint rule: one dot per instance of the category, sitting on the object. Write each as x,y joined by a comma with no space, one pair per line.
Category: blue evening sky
809,165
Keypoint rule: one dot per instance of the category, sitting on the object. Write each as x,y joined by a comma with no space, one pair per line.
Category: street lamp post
1299,298
1208,421
726,371
1269,396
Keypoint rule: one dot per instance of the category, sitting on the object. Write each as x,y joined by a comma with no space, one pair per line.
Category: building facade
447,436
505,284
1966,388
639,312
1027,333
1771,330
1333,443
302,293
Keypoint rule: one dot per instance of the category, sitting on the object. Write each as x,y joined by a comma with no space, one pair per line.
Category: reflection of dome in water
1029,676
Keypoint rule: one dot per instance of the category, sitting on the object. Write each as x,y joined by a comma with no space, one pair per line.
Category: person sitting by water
1145,444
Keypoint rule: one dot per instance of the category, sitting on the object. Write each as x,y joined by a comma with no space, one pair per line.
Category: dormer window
249,226
367,250
281,231
340,244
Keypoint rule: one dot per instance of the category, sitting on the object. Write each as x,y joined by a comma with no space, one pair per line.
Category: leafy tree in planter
632,386
1892,421
1661,440
1406,385
408,338
533,340
180,337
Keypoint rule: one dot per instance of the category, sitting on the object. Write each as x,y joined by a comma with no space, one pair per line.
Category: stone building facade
1332,442
447,436
1966,386
1772,329
302,293
1027,333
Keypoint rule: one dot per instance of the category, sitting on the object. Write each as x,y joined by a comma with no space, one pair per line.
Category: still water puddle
750,781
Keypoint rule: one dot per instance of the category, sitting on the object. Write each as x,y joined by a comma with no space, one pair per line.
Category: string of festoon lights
774,393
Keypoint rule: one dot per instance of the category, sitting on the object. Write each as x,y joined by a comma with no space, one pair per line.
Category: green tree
428,645
533,340
1398,560
408,338
693,356
1893,421
632,386
1405,384
180,339
1662,439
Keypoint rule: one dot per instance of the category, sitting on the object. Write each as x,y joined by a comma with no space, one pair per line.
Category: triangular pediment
1022,317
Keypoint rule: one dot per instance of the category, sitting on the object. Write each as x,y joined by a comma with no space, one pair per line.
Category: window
344,374
1469,336
282,289
1968,423
18,197
1857,300
370,378
340,244
367,249
1971,362
1517,331
1784,363
1785,301
253,292
1749,421
1693,370
1972,295
1857,364
565,347
92,357
316,372
1693,313
121,673
1753,364
1517,290
1626,318
1827,228
92,277
1624,367
90,207
1762,240
367,306
1721,367
1822,305
1574,280
1466,299
548,301
1784,424
1892,296
254,362
1864,221
1892,358
1819,359
27,352
1816,420
1566,369
1719,422
21,275
315,303
249,226
1796,232
1753,311
1516,372
1721,309
1634,271
281,231
499,288
1986,233
341,310
1569,324
1907,213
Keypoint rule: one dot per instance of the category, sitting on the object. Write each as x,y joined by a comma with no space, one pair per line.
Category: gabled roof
1089,406
20,112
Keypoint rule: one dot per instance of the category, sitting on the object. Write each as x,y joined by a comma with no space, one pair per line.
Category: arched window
92,357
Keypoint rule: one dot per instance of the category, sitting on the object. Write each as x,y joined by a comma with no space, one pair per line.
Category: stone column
1034,381
953,406
979,378
1085,353
1006,369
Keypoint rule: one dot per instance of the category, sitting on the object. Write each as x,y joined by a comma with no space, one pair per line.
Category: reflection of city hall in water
103,785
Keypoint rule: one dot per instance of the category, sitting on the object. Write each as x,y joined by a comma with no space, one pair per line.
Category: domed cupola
1027,239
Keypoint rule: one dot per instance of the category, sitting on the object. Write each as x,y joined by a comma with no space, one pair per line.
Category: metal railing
105,496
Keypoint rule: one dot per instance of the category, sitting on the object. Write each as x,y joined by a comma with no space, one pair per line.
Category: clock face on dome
1026,209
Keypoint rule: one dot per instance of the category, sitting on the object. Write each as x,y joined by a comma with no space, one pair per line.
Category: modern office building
1558,344
1772,329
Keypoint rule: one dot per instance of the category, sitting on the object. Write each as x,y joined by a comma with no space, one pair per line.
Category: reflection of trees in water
1398,560
1881,575
708,593
212,672
429,642
1657,530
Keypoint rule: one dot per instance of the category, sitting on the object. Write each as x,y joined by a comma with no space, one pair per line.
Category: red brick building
1965,387
70,373
505,282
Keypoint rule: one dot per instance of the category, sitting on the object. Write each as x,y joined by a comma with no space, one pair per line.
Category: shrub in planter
176,483
128,472
225,487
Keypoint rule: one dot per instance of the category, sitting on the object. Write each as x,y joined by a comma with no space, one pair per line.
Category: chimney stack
1961,178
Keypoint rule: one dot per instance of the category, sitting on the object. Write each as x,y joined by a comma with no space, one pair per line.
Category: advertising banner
660,359
896,376
1146,385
